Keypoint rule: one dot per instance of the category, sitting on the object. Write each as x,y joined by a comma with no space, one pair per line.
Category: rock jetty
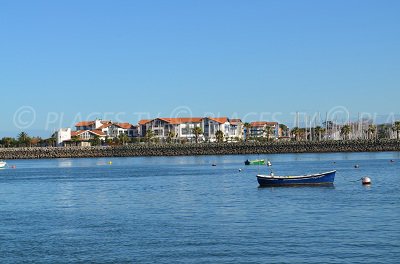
136,150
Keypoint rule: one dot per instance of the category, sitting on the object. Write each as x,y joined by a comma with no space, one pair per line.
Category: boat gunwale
273,177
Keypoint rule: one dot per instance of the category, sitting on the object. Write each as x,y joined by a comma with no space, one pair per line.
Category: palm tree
345,131
396,127
247,126
220,136
109,141
371,131
319,131
197,131
268,131
24,139
123,138
296,132
170,136
7,141
149,135
284,129
96,141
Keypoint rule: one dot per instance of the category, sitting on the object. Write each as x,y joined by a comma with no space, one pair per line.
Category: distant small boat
3,164
326,178
254,162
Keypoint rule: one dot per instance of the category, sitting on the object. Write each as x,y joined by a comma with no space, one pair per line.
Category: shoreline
142,150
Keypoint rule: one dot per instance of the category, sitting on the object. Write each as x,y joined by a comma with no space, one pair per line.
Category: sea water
183,210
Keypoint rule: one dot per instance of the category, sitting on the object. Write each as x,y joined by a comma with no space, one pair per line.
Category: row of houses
163,128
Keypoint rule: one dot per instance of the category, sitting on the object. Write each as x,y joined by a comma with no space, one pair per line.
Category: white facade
183,128
64,134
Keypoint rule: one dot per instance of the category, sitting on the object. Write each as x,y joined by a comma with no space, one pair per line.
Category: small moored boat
326,178
254,162
2,164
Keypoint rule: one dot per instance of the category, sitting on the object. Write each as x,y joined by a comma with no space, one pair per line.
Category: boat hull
254,162
2,164
326,178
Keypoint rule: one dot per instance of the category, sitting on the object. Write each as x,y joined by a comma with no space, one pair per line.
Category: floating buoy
240,170
356,166
365,180
110,162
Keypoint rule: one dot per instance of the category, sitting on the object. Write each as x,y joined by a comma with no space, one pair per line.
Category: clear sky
126,60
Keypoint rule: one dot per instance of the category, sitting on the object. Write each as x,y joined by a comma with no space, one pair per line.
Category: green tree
219,136
247,127
170,136
284,129
149,135
123,138
8,142
24,139
296,132
268,130
345,131
75,140
396,127
319,131
197,131
371,131
109,141
96,141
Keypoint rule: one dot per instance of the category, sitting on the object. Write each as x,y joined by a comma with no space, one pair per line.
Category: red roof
97,132
263,123
235,121
85,123
144,121
123,125
76,133
105,126
220,120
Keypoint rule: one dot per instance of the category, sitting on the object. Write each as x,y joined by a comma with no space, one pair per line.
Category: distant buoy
110,162
240,170
365,180
356,166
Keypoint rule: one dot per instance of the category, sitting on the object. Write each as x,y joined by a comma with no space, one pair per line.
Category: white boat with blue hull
325,178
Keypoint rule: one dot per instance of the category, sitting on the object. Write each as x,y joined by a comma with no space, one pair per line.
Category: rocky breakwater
135,150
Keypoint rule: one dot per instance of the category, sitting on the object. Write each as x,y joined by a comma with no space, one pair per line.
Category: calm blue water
183,210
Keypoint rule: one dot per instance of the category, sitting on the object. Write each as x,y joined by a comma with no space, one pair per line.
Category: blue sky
126,60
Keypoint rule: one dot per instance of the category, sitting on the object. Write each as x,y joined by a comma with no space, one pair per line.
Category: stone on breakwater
136,150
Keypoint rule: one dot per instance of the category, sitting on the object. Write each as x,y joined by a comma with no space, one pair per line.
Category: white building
63,134
259,129
182,128
89,130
